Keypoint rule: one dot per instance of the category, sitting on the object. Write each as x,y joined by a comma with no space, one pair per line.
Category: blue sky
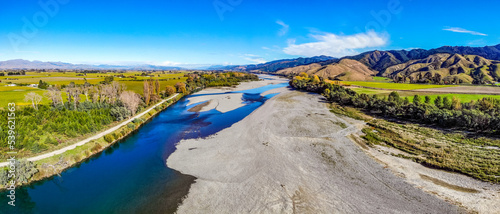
181,32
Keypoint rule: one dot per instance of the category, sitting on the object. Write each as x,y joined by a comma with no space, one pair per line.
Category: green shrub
38,147
25,170
4,179
109,138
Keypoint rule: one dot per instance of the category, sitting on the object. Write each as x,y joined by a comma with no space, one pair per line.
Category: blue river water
131,176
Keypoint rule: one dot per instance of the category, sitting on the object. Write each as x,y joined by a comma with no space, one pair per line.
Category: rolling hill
380,60
345,69
446,68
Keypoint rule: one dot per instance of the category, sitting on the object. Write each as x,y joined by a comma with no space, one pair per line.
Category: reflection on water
131,176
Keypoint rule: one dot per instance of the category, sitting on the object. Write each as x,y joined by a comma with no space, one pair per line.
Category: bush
120,113
4,179
117,135
50,140
38,147
96,148
131,126
25,170
109,138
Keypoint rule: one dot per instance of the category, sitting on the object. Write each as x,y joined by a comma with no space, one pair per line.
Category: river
131,176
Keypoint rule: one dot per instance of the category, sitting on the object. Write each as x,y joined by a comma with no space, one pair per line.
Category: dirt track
292,156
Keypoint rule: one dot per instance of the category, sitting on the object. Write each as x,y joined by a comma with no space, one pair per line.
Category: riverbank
95,137
292,155
53,163
225,99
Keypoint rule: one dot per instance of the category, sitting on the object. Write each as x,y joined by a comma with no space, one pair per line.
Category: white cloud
254,58
336,45
461,30
169,63
284,28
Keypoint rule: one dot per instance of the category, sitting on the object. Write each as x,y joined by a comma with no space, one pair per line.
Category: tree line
482,115
76,110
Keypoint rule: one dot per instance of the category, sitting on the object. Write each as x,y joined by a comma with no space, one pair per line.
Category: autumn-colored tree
169,91
146,92
455,103
181,87
157,87
316,79
131,100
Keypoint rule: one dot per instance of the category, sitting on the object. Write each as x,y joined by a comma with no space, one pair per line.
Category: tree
438,102
446,103
169,91
157,87
86,91
115,90
108,79
34,98
455,103
304,75
437,78
181,87
54,95
76,96
427,100
316,79
146,92
131,100
43,85
394,97
416,99
406,101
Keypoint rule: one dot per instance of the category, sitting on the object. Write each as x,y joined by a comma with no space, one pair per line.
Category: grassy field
456,152
463,97
16,94
394,86
370,91
382,79
137,86
477,157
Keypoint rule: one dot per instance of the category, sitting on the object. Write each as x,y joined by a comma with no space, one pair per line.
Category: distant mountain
446,64
274,66
345,69
449,68
380,60
26,64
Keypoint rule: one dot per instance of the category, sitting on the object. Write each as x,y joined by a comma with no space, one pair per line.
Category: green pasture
394,86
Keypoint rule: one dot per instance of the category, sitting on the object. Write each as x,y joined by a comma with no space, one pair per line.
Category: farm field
132,81
463,97
395,86
381,79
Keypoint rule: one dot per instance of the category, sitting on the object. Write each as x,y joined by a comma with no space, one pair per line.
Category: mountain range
447,64
459,64
26,64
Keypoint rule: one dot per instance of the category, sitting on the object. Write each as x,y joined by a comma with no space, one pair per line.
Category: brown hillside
452,68
346,69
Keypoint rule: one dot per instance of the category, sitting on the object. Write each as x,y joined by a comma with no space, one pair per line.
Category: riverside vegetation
86,110
455,144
